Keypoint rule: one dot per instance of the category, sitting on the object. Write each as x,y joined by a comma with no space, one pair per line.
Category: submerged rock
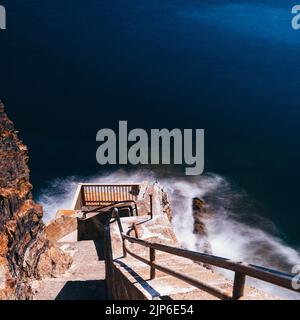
200,214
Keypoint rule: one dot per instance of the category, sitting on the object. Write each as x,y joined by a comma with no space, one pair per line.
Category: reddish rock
25,251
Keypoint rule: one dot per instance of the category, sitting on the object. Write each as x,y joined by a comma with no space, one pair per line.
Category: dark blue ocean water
69,68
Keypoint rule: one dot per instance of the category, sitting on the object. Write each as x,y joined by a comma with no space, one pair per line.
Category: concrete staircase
85,280
164,286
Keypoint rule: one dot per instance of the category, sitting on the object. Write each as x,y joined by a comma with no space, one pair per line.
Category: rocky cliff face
25,251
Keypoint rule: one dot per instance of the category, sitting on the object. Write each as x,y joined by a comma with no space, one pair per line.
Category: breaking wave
235,230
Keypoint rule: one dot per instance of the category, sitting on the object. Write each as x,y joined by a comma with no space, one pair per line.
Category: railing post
152,260
151,206
82,195
136,231
238,285
117,217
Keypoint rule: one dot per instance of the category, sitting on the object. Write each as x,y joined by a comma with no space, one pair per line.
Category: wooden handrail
100,208
194,282
96,194
241,269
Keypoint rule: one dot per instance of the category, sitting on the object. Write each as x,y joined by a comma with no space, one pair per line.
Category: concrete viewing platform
100,270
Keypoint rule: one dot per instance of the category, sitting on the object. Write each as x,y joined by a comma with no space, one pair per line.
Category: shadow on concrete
99,245
142,282
91,228
83,290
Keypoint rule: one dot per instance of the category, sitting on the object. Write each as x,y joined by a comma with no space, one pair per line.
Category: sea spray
59,193
234,229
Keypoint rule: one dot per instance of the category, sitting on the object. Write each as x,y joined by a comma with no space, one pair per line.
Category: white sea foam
235,230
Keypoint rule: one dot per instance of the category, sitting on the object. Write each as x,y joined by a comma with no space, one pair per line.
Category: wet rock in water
200,214
25,251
